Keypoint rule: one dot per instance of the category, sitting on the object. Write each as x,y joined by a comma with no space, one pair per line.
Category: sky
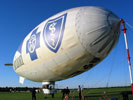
19,17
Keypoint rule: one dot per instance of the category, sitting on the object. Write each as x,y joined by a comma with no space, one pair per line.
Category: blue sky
19,17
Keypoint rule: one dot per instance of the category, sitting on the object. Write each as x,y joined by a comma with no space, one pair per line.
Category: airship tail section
21,80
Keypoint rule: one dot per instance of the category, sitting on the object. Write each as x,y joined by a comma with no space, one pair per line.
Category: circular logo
32,43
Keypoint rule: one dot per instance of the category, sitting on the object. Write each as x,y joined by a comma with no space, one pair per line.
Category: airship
66,44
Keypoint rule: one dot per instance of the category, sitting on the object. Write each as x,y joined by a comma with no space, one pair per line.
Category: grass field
90,94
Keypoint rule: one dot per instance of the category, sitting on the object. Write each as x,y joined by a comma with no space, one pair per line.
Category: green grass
90,94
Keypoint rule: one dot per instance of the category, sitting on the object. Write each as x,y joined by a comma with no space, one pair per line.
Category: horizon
18,18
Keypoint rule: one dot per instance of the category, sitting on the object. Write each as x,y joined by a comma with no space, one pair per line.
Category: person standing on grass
63,93
79,91
33,94
67,92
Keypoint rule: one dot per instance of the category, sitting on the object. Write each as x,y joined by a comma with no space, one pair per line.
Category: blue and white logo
32,44
53,32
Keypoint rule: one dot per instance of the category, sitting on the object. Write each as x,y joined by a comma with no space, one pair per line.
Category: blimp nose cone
113,19
98,30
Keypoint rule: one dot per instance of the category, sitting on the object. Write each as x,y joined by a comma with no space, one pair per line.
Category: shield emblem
53,32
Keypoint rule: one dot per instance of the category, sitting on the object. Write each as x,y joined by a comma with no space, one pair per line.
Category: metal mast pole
129,62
